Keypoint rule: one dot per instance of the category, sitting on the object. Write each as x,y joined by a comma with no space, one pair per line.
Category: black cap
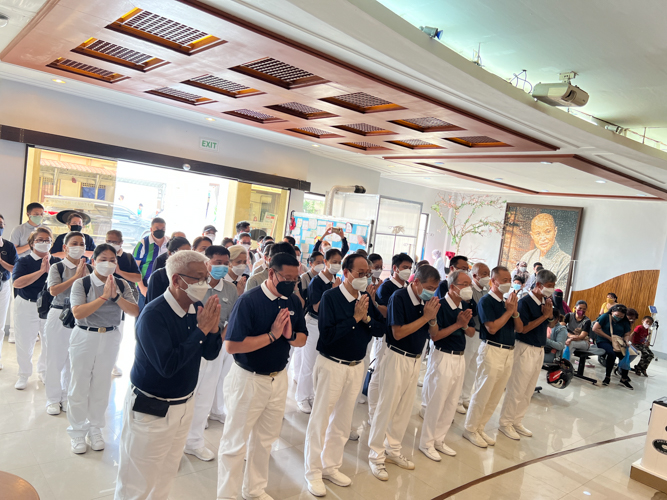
210,228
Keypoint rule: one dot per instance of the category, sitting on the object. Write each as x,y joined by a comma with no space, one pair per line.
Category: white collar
96,280
537,301
324,278
451,303
474,285
270,294
499,299
171,300
396,283
415,300
220,285
34,255
68,264
346,294
229,278
164,243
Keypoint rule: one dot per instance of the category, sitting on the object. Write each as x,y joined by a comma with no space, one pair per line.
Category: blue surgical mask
219,272
516,286
2,230
370,280
426,295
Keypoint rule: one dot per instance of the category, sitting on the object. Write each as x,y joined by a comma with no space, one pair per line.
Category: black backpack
44,297
67,317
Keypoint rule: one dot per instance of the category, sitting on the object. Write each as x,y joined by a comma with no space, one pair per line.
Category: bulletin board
310,226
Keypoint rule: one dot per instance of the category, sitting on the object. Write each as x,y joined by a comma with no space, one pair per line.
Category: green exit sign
208,144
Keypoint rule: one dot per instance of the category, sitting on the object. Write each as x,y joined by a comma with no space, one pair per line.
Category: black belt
56,307
449,351
496,344
266,374
170,403
102,329
29,300
313,315
402,352
341,361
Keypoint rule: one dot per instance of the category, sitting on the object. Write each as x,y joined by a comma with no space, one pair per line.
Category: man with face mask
411,316
173,333
20,234
535,311
325,280
265,322
456,263
446,365
521,270
258,255
75,223
159,280
498,321
347,321
245,240
261,274
146,253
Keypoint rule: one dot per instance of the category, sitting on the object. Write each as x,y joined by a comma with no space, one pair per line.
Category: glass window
313,203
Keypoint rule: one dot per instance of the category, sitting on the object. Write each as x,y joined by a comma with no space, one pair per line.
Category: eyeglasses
361,274
43,241
285,280
198,281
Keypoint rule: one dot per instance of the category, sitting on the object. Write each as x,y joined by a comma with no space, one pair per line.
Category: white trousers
150,450
92,356
398,385
377,351
304,382
56,344
528,361
336,389
445,384
207,383
28,326
256,405
470,354
5,299
218,405
12,317
494,366
295,363
426,395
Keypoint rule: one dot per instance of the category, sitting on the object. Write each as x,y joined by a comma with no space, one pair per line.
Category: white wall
12,167
661,304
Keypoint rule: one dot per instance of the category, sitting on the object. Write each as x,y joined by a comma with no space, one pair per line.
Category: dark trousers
647,356
611,359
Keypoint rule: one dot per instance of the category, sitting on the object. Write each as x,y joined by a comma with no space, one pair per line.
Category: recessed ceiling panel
314,132
222,86
364,129
113,53
284,75
254,116
87,70
427,124
362,102
180,96
301,111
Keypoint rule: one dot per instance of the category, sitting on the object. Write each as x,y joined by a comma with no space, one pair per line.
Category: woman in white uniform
98,302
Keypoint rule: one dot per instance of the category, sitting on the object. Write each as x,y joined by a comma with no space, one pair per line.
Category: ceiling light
315,145
431,31
3,20
642,194
601,182
546,162
439,163
58,80
545,190
498,179
209,119
427,178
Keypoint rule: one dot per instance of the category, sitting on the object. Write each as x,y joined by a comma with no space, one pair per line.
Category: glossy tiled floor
36,447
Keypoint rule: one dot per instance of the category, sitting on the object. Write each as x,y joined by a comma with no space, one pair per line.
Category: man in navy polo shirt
264,323
146,253
401,266
446,364
498,321
535,311
348,321
456,263
410,313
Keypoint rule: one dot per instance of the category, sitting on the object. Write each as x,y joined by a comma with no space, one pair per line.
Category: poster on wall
541,233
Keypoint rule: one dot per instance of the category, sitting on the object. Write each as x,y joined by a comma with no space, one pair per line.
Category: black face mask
158,234
75,228
285,288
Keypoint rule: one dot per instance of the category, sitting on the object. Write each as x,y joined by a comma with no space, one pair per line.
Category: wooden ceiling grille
427,124
478,141
301,111
278,73
110,52
222,86
365,146
415,144
362,103
165,32
254,116
87,70
364,129
180,96
314,132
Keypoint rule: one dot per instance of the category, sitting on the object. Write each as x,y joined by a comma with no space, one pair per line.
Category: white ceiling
619,48
19,12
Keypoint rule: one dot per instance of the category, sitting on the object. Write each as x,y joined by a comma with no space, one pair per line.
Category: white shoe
63,406
79,445
401,461
116,372
420,383
379,471
53,409
304,406
461,409
522,430
444,449
338,478
475,439
422,411
431,453
489,440
510,432
42,377
361,400
21,383
203,453
96,441
316,487
11,340
263,496
354,435
220,417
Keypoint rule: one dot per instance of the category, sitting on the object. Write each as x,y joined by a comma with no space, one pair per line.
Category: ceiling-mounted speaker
4,20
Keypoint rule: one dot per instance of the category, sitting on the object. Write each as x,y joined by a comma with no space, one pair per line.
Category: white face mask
377,273
465,293
484,281
195,291
547,292
405,274
523,269
239,270
246,245
115,247
318,268
105,268
505,287
334,268
360,284
42,247
76,252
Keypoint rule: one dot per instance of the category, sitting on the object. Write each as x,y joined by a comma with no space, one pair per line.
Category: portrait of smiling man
543,231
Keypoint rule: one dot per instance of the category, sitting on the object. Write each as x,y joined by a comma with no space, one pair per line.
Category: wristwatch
367,319
433,322
115,299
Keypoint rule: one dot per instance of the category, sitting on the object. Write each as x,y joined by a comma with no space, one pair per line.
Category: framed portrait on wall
541,233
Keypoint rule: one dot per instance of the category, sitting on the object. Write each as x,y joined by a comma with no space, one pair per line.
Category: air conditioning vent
362,103
254,116
78,68
276,72
415,144
478,141
110,52
364,129
221,86
314,132
365,146
301,111
180,96
427,124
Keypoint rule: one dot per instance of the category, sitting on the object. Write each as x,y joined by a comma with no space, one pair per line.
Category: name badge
291,313
225,299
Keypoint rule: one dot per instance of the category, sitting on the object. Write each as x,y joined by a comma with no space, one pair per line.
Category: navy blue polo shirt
60,241
169,349
340,335
442,290
529,311
7,254
316,288
402,310
490,309
253,314
447,316
157,284
620,328
385,291
28,265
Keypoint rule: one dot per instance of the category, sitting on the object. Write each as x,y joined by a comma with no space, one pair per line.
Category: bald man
543,231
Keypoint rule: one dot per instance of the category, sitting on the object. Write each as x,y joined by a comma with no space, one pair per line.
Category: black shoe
626,383
606,381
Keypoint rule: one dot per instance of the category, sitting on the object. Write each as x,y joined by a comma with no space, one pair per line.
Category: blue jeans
611,359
